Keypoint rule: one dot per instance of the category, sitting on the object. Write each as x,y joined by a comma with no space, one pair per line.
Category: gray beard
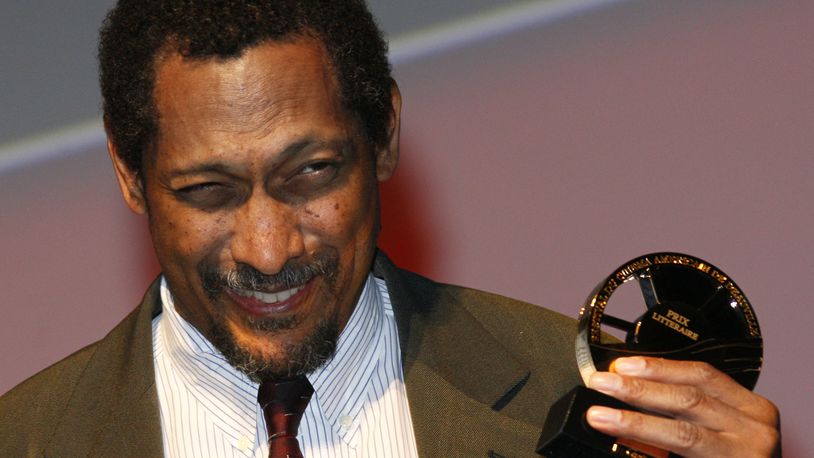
298,359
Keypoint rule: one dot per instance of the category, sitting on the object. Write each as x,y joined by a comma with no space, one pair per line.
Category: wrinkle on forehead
234,96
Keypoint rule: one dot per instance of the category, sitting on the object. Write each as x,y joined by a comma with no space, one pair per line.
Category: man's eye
317,167
207,195
312,178
315,174
198,189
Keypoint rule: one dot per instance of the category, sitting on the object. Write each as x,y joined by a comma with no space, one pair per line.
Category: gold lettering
675,259
659,318
718,276
630,269
748,313
681,319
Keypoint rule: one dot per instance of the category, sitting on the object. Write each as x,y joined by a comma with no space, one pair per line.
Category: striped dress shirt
359,407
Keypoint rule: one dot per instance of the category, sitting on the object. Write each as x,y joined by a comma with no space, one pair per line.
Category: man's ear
387,156
130,182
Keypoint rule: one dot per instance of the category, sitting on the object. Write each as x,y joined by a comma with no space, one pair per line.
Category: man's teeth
269,298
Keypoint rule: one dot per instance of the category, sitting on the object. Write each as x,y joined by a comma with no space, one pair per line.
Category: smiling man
253,136
261,196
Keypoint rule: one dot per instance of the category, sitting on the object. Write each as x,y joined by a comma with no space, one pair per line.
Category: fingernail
605,381
597,414
629,366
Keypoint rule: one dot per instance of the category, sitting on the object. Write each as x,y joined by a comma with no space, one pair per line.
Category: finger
684,438
683,401
713,382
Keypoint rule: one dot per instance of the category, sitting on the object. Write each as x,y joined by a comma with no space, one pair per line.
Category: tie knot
292,394
283,404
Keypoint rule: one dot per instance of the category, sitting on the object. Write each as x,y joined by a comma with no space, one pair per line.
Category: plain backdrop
534,162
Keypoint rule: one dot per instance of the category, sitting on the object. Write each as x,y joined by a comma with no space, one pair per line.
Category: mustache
294,273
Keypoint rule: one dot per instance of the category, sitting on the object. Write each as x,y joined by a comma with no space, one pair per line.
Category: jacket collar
455,371
117,397
114,410
437,331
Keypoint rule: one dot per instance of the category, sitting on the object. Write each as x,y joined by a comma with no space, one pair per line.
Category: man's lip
260,304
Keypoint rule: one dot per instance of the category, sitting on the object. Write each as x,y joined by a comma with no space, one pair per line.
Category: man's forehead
265,79
272,96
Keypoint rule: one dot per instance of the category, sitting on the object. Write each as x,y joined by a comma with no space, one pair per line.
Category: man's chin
293,358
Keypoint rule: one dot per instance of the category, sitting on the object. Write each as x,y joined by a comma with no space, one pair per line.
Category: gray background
544,144
47,50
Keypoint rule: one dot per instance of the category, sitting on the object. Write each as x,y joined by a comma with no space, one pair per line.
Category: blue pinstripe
359,407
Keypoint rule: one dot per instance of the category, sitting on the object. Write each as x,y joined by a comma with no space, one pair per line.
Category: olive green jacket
481,372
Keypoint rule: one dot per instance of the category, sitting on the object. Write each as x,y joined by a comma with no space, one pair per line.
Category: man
252,134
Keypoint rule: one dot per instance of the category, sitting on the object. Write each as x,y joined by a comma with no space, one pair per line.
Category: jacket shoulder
485,305
540,339
30,412
541,336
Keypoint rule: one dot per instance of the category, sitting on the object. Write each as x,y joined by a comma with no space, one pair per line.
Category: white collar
339,385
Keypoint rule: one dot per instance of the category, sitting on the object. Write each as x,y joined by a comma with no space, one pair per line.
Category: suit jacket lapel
457,375
114,408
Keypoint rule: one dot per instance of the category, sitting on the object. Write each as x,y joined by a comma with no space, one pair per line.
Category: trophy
692,311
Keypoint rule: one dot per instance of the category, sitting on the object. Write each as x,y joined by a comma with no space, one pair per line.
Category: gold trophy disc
693,311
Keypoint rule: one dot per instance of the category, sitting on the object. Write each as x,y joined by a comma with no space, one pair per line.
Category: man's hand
710,415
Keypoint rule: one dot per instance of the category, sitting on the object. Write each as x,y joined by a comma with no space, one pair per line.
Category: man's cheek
327,222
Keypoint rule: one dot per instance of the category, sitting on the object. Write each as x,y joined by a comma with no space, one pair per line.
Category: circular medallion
691,311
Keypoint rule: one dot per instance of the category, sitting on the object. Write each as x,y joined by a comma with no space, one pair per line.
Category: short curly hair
136,32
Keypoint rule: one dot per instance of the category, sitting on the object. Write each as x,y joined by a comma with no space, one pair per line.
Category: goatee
295,358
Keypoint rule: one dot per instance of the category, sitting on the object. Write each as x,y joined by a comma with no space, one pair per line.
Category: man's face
262,202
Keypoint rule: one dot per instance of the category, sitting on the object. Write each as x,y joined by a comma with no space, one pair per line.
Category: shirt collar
205,372
339,385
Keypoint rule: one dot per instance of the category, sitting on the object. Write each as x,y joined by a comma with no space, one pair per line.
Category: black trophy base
566,433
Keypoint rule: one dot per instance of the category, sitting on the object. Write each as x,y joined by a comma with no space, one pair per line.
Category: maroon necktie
283,404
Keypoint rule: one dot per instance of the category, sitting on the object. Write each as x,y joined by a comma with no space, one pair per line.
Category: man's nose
266,234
